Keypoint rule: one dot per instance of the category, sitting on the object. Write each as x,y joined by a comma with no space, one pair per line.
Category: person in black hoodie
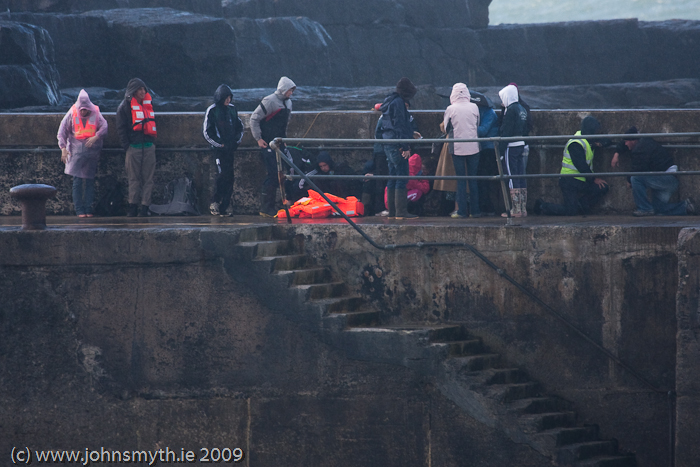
222,129
650,156
137,134
396,124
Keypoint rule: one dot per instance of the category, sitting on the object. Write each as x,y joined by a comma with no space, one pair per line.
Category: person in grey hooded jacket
269,121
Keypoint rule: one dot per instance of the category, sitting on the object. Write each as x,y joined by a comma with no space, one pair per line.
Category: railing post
504,189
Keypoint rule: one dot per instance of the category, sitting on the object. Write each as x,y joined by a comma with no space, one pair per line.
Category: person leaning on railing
580,193
649,155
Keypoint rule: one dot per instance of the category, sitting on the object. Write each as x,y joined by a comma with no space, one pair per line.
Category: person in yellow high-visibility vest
580,193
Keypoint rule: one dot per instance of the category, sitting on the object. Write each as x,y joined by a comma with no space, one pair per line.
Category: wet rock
28,75
207,7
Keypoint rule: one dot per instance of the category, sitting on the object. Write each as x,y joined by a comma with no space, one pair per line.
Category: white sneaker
214,209
382,214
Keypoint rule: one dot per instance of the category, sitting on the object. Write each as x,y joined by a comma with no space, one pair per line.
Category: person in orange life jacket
415,189
267,122
80,138
137,134
223,130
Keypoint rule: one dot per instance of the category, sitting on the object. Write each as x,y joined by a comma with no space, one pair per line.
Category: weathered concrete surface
183,130
617,284
133,340
688,349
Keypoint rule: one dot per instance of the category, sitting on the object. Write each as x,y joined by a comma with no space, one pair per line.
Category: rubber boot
514,203
390,197
401,195
267,204
523,202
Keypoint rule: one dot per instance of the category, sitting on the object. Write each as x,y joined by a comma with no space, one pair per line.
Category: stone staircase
478,381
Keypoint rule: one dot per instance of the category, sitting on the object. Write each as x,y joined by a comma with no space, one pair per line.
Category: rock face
206,7
28,75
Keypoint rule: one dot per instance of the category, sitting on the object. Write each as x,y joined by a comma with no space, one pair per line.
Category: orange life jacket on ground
315,207
84,131
141,112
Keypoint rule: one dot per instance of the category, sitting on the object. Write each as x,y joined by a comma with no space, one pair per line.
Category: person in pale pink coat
80,138
462,121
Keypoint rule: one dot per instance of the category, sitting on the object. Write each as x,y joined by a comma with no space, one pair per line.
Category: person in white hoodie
462,122
514,123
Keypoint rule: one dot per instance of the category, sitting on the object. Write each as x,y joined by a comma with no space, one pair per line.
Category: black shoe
537,209
132,210
144,211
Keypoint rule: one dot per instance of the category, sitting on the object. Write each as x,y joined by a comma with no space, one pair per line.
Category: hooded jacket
222,127
275,106
514,122
589,126
125,129
83,160
461,120
396,120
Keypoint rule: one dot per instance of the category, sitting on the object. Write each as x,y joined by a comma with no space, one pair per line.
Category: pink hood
84,102
415,164
460,93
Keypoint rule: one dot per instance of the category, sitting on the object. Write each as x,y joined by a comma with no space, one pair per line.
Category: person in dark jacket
396,124
514,123
326,166
649,155
488,128
223,130
137,135
580,193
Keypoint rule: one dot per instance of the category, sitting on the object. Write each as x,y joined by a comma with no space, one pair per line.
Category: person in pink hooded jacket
415,189
80,138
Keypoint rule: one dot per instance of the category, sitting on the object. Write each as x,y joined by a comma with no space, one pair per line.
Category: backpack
183,199
111,203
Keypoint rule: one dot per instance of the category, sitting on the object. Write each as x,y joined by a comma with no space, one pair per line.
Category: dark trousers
375,188
270,160
579,198
488,189
224,179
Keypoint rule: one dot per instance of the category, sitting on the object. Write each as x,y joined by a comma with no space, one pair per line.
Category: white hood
508,95
285,85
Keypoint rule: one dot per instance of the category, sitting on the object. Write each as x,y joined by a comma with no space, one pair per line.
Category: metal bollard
32,198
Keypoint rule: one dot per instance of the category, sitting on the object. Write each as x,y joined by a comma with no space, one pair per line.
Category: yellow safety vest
567,165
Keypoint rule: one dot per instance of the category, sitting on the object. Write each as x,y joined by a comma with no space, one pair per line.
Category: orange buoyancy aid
316,207
143,112
84,131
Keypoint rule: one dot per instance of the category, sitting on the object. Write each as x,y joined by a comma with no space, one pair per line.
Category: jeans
662,188
579,198
83,194
397,166
464,165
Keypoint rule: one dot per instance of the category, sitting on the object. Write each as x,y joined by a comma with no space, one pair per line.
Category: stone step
609,461
558,437
473,362
462,348
306,276
582,451
504,376
538,405
346,304
284,263
512,392
256,234
266,248
537,423
320,291
446,333
355,319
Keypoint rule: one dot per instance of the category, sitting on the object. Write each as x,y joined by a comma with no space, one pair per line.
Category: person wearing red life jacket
80,138
137,132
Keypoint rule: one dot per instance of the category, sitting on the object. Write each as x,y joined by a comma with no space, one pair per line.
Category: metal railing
281,157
